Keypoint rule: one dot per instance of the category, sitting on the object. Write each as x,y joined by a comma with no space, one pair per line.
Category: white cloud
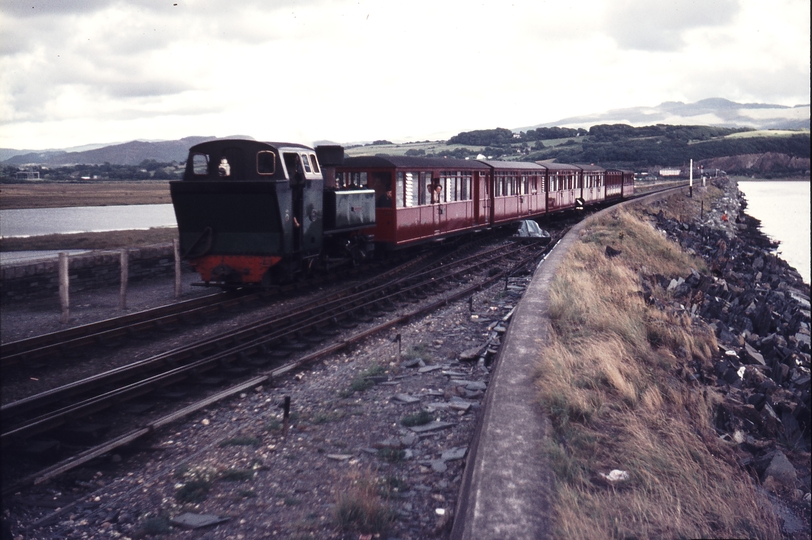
80,72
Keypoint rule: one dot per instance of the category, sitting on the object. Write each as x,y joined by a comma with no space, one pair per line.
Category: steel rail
174,366
348,296
127,438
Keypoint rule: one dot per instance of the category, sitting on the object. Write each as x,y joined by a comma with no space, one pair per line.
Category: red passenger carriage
564,187
421,198
593,184
518,190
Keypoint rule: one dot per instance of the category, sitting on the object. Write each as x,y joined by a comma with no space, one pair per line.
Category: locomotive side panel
349,210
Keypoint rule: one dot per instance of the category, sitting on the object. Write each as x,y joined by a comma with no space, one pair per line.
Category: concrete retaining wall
90,270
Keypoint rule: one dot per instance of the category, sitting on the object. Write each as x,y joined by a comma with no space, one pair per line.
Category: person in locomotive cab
297,185
225,168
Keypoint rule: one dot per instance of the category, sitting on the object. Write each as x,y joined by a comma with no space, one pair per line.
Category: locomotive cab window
306,163
200,164
266,162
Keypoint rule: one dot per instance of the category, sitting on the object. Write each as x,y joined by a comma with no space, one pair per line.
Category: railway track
69,342
238,355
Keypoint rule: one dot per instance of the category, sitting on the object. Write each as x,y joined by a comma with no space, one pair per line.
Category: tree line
148,169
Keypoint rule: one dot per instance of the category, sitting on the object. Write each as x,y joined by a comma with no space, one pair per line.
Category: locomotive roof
247,143
410,161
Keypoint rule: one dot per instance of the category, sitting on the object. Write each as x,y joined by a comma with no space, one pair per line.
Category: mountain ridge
718,112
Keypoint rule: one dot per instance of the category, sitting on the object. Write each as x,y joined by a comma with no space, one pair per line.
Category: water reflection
783,208
42,221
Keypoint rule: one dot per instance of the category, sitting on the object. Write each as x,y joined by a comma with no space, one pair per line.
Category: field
766,133
56,195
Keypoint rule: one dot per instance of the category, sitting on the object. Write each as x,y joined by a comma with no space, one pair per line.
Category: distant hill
707,112
131,153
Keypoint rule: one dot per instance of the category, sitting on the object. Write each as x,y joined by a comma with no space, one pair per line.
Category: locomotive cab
248,210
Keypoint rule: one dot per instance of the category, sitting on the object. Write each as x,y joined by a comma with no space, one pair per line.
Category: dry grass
684,208
361,508
608,383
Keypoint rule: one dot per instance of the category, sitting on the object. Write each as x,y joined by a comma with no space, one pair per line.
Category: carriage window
458,185
200,164
266,162
357,180
351,180
424,190
315,163
465,189
408,189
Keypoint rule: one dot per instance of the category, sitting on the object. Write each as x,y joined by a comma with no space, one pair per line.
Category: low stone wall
87,271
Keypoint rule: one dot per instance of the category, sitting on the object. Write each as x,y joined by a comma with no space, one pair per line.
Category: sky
104,71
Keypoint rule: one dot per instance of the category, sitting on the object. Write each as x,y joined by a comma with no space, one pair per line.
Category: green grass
194,491
392,455
240,441
236,475
767,133
153,526
418,419
361,381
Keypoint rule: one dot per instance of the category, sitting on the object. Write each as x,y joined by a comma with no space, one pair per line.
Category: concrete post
691,179
64,287
125,275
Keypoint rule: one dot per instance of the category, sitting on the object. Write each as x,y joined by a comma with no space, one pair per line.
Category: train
261,213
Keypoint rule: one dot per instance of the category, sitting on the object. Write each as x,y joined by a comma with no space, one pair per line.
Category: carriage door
481,201
530,182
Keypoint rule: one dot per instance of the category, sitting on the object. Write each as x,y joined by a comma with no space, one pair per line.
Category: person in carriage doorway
436,191
385,200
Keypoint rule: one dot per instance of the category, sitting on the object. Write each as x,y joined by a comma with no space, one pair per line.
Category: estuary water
783,208
78,219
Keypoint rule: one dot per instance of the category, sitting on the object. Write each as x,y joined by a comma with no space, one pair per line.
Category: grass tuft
240,441
392,455
194,491
362,380
360,508
236,475
418,419
153,526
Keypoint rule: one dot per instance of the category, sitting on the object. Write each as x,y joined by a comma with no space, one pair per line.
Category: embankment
96,269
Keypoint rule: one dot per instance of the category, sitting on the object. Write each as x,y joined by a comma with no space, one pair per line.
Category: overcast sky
96,71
